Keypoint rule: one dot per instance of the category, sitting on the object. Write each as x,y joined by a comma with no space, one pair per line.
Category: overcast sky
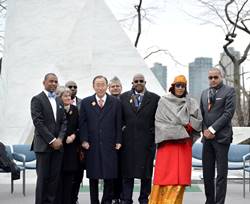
175,30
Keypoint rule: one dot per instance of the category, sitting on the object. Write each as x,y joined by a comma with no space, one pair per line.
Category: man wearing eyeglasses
217,107
137,154
79,175
73,88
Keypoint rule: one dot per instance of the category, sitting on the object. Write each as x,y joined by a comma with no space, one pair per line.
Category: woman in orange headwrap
177,123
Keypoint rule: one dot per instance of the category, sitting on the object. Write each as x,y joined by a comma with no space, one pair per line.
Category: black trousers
117,188
117,183
214,155
128,187
48,177
76,184
67,187
107,191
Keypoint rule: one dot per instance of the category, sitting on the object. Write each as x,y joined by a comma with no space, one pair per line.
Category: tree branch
229,38
138,9
165,51
238,13
244,56
215,10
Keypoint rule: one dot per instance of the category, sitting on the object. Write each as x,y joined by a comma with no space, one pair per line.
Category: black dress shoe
116,201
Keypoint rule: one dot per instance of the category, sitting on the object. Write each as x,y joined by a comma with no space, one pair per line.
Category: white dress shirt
104,98
52,103
74,101
54,108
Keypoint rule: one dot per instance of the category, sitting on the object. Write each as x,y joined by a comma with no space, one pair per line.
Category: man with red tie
100,134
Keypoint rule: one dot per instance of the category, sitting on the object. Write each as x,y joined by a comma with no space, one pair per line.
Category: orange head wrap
180,79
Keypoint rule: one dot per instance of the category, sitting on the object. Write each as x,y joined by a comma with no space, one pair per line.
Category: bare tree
234,17
143,11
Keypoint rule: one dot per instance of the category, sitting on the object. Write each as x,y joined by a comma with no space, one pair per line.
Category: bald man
137,154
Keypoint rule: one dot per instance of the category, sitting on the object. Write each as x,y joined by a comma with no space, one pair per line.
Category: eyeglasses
213,77
136,81
70,87
179,86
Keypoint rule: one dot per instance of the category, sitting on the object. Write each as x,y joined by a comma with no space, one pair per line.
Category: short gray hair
116,80
61,90
216,69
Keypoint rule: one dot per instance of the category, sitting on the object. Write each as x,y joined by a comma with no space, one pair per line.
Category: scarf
173,114
212,95
66,108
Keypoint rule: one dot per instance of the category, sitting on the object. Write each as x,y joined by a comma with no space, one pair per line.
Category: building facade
227,65
198,71
160,73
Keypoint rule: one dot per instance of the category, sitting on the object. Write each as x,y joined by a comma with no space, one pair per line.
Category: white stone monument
76,39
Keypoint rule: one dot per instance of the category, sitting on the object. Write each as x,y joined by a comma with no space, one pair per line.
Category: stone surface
76,39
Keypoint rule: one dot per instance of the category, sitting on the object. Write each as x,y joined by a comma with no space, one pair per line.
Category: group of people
115,137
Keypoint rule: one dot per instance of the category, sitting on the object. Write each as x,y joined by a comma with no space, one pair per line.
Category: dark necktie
211,98
138,100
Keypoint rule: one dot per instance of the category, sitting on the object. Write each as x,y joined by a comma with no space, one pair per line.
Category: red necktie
101,103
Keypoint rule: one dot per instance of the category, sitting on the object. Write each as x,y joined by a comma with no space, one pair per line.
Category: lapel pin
131,100
93,103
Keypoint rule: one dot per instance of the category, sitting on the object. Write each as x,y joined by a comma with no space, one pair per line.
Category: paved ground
234,193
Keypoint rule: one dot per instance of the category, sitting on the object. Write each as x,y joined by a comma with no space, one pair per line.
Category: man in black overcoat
138,150
100,133
115,89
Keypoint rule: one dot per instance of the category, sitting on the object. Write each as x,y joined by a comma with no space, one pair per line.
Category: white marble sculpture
76,39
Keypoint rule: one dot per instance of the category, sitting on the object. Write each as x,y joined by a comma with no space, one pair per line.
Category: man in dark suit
217,107
138,150
79,175
100,133
73,87
50,126
115,89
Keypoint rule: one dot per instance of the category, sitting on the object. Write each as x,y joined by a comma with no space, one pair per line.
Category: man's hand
208,135
70,138
57,144
85,145
118,146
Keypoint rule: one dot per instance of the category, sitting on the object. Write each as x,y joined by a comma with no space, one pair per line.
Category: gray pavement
234,195
234,192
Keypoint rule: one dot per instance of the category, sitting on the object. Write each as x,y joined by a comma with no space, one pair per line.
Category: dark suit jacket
78,103
221,113
101,128
138,150
46,128
71,159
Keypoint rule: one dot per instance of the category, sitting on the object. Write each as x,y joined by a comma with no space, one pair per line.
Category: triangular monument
76,39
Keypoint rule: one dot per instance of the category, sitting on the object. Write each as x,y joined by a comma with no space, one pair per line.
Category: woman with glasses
177,125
